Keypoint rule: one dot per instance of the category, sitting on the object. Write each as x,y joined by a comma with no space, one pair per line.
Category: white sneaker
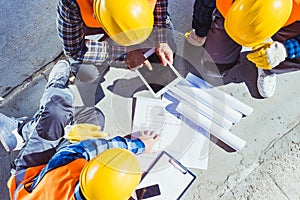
266,84
59,74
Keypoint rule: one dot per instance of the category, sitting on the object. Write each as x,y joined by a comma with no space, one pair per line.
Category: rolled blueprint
202,109
194,81
211,127
204,97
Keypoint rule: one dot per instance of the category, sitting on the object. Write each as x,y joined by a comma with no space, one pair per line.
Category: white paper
177,138
202,109
77,97
219,94
213,103
213,128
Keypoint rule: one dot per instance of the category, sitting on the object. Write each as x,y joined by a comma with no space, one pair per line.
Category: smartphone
147,192
160,78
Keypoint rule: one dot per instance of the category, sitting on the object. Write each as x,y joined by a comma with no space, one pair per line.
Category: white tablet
161,77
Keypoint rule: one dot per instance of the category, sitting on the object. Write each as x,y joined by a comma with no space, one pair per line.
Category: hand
135,59
165,53
194,39
149,138
268,55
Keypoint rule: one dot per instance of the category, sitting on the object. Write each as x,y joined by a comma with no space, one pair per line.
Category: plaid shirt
70,28
86,149
292,47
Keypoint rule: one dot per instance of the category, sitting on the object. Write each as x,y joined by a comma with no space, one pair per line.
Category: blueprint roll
211,127
213,103
194,81
202,109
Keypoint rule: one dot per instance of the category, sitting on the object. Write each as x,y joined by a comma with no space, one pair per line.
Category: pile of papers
186,116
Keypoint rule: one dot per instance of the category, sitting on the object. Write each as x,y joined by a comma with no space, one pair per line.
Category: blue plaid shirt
70,28
86,149
292,47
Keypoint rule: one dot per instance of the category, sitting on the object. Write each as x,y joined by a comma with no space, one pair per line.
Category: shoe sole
262,94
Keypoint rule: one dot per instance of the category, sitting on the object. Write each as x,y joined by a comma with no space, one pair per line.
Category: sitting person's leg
88,92
223,52
45,131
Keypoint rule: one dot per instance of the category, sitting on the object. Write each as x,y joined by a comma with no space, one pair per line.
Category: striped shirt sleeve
160,20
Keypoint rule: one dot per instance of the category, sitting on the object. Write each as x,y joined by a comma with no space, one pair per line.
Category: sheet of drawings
184,143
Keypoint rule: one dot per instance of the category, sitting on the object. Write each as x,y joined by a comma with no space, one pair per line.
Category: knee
56,115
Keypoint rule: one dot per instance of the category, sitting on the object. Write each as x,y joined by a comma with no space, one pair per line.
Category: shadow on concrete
244,72
127,87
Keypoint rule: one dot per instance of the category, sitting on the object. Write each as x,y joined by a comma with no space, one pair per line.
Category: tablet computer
161,77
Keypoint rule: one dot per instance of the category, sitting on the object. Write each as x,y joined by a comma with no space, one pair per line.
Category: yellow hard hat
113,175
127,22
251,22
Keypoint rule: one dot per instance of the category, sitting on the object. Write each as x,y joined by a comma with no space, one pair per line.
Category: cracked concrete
277,176
267,168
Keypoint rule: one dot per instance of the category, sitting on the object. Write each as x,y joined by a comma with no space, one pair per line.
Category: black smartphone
147,192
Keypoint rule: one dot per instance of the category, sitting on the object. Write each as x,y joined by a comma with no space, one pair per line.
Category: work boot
266,83
9,136
59,75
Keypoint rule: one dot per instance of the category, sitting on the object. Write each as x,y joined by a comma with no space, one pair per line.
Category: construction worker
127,23
52,167
224,43
98,33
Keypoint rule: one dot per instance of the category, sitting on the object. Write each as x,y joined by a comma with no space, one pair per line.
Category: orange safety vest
224,5
58,183
87,12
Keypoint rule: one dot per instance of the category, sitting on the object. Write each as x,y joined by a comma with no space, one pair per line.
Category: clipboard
166,178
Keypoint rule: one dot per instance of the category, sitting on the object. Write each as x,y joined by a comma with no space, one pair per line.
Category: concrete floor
268,166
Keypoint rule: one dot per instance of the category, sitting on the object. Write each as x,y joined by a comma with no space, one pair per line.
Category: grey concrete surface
28,40
267,168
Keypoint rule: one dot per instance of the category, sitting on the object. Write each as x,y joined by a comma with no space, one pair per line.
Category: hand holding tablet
160,78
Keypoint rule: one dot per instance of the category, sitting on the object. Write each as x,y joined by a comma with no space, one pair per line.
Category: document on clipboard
166,178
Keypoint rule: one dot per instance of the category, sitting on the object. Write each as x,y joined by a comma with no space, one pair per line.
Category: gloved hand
268,55
79,132
135,59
